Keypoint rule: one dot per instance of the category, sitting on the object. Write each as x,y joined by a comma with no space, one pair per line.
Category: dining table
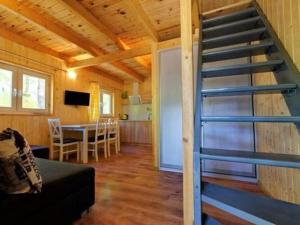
84,129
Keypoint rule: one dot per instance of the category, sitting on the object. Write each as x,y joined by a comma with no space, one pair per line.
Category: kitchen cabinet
136,132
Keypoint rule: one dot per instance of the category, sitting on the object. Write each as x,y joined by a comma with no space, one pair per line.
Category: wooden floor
130,192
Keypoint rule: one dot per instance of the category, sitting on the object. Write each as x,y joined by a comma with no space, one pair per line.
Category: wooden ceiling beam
79,10
103,74
64,32
136,7
35,17
134,75
111,57
14,37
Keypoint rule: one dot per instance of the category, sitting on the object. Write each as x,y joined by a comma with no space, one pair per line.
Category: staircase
246,26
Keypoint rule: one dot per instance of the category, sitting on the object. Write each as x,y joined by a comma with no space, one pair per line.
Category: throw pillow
18,169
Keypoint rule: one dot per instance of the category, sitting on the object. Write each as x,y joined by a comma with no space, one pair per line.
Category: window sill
12,113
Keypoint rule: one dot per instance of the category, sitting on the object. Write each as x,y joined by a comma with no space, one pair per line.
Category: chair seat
67,140
92,139
111,135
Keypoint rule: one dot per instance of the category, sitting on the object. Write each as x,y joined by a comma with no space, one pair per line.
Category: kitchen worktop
135,120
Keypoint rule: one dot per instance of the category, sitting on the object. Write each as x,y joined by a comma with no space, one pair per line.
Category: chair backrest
100,129
55,130
114,120
109,119
112,127
103,120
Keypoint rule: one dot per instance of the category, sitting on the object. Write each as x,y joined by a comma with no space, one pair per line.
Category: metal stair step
236,38
245,90
243,14
239,69
238,52
233,27
252,207
261,158
250,119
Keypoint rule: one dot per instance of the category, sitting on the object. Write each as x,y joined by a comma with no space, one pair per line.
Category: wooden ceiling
76,30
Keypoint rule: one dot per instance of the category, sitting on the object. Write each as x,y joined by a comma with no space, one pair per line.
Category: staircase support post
187,108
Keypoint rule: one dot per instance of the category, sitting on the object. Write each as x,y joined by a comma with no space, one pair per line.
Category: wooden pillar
195,15
187,108
155,105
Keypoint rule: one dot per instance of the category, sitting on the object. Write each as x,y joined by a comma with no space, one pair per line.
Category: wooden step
243,14
252,119
270,159
238,52
251,207
236,38
246,90
234,27
239,69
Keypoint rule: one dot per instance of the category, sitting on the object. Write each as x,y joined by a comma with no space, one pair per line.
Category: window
24,91
107,102
6,88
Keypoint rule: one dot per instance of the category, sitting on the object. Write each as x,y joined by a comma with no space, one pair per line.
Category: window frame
111,93
17,89
20,108
14,90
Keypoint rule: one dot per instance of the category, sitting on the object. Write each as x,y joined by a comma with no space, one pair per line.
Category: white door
170,110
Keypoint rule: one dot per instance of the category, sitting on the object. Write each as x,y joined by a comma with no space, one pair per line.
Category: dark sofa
68,190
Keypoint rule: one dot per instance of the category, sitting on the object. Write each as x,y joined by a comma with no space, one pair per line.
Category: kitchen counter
135,120
136,131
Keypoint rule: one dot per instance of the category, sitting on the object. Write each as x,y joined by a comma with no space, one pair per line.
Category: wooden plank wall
35,128
144,90
208,5
284,184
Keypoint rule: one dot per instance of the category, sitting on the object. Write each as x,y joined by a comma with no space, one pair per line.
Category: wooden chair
99,138
57,140
116,120
112,135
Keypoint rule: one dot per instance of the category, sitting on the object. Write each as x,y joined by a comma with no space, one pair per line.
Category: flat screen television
77,98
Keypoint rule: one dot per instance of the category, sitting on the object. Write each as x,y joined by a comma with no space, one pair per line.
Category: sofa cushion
40,151
18,170
60,180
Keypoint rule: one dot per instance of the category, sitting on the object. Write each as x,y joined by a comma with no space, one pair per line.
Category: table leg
85,146
119,140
